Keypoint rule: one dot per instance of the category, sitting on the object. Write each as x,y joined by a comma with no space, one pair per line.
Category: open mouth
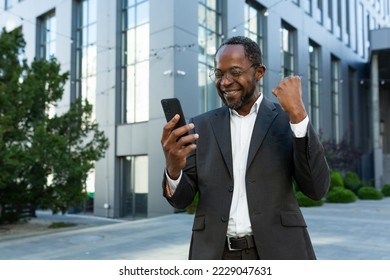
230,93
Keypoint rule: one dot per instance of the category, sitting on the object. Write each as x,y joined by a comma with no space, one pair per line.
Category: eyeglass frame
229,75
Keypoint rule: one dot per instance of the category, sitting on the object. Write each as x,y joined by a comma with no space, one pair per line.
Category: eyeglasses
232,74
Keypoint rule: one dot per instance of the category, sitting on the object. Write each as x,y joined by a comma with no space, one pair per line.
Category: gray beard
244,99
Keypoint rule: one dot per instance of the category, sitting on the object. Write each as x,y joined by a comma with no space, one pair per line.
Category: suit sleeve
310,166
187,188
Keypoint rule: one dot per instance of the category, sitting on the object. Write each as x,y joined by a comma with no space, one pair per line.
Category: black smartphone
171,107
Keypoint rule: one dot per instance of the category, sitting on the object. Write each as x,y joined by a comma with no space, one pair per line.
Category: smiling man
242,159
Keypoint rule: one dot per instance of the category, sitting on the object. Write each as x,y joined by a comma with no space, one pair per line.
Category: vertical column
375,121
106,185
173,73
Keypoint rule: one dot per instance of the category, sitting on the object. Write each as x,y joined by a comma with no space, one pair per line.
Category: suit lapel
221,127
265,116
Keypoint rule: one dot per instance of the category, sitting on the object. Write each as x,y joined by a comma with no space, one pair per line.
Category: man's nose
226,80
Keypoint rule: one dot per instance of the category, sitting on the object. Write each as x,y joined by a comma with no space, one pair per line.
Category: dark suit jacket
275,158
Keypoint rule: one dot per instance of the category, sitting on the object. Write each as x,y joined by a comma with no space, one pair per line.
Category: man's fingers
177,145
289,79
171,135
178,132
189,148
188,139
170,125
287,84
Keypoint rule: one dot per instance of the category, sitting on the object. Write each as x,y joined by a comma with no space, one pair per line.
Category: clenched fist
289,93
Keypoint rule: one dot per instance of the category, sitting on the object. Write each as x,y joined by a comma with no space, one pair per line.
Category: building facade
380,104
124,56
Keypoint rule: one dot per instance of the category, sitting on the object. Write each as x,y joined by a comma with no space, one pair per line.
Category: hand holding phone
176,153
171,107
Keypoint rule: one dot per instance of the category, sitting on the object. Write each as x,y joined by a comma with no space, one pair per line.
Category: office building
126,55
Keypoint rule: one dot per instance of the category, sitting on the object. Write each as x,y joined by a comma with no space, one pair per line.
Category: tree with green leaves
45,158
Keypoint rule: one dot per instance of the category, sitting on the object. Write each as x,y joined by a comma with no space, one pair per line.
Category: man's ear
260,71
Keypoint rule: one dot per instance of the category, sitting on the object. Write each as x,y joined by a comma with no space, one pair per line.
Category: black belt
240,243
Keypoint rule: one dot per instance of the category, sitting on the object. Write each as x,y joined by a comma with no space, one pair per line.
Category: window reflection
313,84
287,51
135,61
47,29
134,181
9,3
143,13
209,38
86,51
254,29
335,80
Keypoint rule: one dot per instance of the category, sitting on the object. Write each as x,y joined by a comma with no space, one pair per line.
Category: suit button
231,188
224,219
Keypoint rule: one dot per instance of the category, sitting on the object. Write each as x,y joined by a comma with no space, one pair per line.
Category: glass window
347,23
254,29
9,4
134,181
86,51
330,14
337,20
360,30
313,83
209,38
320,10
353,122
135,61
367,31
374,24
287,51
335,82
308,7
46,36
46,42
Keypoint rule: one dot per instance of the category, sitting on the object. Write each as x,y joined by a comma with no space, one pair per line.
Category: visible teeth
230,93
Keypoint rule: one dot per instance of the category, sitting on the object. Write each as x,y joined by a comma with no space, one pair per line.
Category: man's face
238,92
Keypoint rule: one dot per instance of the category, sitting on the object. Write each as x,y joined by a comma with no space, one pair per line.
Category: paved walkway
356,231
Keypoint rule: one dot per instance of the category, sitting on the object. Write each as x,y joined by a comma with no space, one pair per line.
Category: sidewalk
356,231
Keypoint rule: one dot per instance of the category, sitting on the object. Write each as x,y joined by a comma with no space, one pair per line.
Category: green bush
191,209
336,180
368,192
61,225
386,190
352,182
305,201
295,187
341,195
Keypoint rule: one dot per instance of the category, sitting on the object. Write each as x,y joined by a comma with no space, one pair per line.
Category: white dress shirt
241,134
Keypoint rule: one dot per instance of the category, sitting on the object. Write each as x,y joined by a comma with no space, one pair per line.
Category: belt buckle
229,245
